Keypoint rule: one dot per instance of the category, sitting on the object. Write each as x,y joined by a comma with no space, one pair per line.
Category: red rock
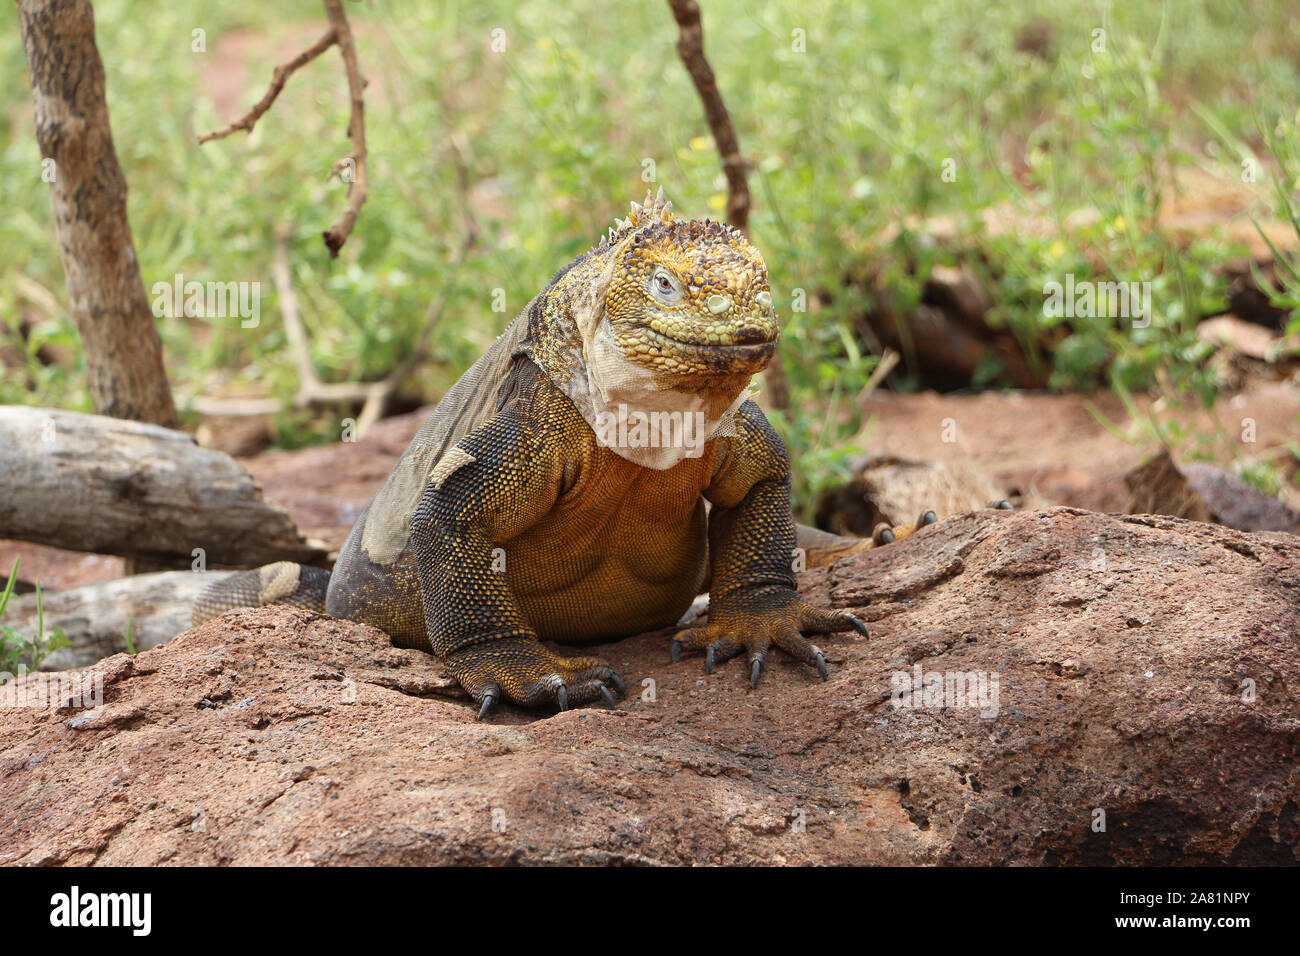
1121,645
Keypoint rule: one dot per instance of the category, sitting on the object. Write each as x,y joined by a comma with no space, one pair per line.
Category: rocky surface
1147,677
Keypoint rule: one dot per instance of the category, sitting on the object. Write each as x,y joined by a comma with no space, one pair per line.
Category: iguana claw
527,673
854,623
754,622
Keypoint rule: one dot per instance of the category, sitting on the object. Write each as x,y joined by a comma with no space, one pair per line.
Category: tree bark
106,295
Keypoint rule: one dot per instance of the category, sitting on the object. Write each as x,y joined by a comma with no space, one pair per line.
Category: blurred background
920,172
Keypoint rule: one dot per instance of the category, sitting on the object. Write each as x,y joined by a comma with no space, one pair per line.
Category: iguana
559,489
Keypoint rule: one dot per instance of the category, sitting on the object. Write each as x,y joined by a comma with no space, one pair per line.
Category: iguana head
688,297
663,316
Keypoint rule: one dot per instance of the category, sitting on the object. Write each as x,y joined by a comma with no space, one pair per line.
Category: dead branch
338,233
278,79
690,47
92,483
310,388
375,395
340,34
95,617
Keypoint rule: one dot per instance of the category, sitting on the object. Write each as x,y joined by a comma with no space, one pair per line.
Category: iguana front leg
496,483
753,603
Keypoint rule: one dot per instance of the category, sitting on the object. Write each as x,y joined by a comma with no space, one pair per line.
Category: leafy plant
18,651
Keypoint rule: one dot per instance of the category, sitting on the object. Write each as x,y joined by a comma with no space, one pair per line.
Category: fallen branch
91,483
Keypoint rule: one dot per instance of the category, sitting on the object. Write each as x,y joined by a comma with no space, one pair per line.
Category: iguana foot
884,534
754,621
527,673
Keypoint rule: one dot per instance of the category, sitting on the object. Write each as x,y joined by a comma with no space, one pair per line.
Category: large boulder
1118,690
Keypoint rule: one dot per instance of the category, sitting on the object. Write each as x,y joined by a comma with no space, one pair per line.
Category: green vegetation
18,651
847,137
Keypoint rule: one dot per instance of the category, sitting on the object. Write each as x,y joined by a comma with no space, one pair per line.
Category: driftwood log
91,483
96,617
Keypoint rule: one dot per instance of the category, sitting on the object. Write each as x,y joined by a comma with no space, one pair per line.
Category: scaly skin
510,520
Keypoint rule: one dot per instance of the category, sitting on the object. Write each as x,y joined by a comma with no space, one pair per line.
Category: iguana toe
527,673
754,626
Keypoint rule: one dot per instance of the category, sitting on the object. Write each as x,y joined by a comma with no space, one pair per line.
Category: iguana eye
664,286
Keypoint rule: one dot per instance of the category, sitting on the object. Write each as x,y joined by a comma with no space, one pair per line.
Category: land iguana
558,491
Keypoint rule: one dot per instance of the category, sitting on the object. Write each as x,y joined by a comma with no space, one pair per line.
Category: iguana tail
822,548
284,582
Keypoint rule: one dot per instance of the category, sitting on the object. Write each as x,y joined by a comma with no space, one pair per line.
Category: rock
1159,487
1205,492
958,290
1147,676
1233,502
1237,335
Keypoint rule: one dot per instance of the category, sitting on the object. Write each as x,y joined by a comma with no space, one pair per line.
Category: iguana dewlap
558,490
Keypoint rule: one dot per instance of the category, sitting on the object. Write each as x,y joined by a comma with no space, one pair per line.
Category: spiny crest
655,209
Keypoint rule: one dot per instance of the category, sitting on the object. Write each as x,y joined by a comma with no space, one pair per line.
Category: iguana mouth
678,357
752,338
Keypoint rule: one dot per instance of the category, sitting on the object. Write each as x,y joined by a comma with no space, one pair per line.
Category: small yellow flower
1119,224
1056,249
700,143
544,43
718,202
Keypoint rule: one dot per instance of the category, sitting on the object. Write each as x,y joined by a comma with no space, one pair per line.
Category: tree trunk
106,295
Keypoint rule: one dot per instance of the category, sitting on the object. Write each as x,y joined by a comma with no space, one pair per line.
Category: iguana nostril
719,303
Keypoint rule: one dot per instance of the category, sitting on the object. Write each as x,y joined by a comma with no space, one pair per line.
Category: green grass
845,139
18,651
